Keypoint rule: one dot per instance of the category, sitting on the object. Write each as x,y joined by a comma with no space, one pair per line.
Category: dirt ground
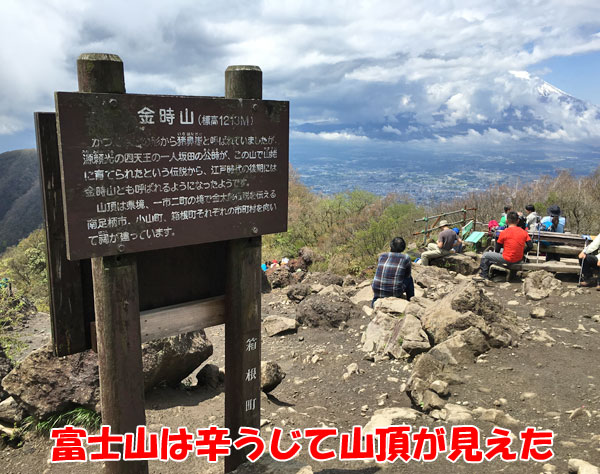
552,371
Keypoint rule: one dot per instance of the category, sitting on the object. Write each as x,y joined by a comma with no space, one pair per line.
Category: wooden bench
554,267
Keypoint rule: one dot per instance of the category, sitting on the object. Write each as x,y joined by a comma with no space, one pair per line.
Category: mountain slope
20,196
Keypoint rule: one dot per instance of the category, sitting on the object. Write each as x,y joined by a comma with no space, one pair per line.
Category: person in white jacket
590,264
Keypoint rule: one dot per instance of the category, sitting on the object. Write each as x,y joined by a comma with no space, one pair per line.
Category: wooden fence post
116,302
243,295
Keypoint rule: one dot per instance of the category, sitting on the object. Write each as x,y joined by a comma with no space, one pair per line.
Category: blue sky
439,76
577,74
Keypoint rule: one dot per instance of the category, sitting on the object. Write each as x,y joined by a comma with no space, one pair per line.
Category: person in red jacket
513,239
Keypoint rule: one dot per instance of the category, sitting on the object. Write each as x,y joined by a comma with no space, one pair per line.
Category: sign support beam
243,296
116,302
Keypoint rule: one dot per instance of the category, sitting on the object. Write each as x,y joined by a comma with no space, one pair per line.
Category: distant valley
20,196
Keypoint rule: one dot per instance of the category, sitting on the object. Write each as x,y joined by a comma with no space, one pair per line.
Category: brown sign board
148,172
166,277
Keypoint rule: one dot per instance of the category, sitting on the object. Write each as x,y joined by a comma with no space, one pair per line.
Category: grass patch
80,417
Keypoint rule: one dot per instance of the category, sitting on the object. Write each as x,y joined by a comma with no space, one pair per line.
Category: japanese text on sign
143,172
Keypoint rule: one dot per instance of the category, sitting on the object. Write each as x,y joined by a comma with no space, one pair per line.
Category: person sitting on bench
445,242
553,222
514,240
590,264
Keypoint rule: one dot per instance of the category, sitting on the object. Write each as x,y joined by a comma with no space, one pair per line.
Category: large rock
326,310
172,359
279,277
426,375
461,348
391,305
540,284
210,376
387,417
274,325
11,412
6,365
271,375
398,337
44,384
428,276
363,296
460,263
467,306
323,278
579,466
298,292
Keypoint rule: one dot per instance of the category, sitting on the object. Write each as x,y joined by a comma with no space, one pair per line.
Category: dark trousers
488,259
409,289
589,268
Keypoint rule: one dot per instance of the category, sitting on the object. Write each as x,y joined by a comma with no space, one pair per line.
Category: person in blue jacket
553,222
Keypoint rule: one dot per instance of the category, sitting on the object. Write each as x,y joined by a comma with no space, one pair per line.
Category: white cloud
353,64
329,136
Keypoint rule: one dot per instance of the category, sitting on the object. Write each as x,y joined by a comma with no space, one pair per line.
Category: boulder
323,278
468,306
271,375
326,310
363,296
44,384
298,292
498,417
332,290
11,412
427,372
459,263
428,276
172,359
397,337
579,466
265,285
210,376
391,305
279,277
274,325
540,284
431,401
6,365
461,348
387,417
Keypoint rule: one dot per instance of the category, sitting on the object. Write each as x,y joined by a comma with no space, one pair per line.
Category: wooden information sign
144,172
164,200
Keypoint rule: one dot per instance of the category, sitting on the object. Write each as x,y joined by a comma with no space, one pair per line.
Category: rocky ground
462,353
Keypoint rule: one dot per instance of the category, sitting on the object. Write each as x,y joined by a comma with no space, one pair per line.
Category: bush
348,229
25,267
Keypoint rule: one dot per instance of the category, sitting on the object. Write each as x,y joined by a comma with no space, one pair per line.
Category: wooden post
116,302
242,292
69,332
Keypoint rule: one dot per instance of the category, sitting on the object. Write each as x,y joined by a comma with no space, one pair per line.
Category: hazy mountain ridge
20,196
